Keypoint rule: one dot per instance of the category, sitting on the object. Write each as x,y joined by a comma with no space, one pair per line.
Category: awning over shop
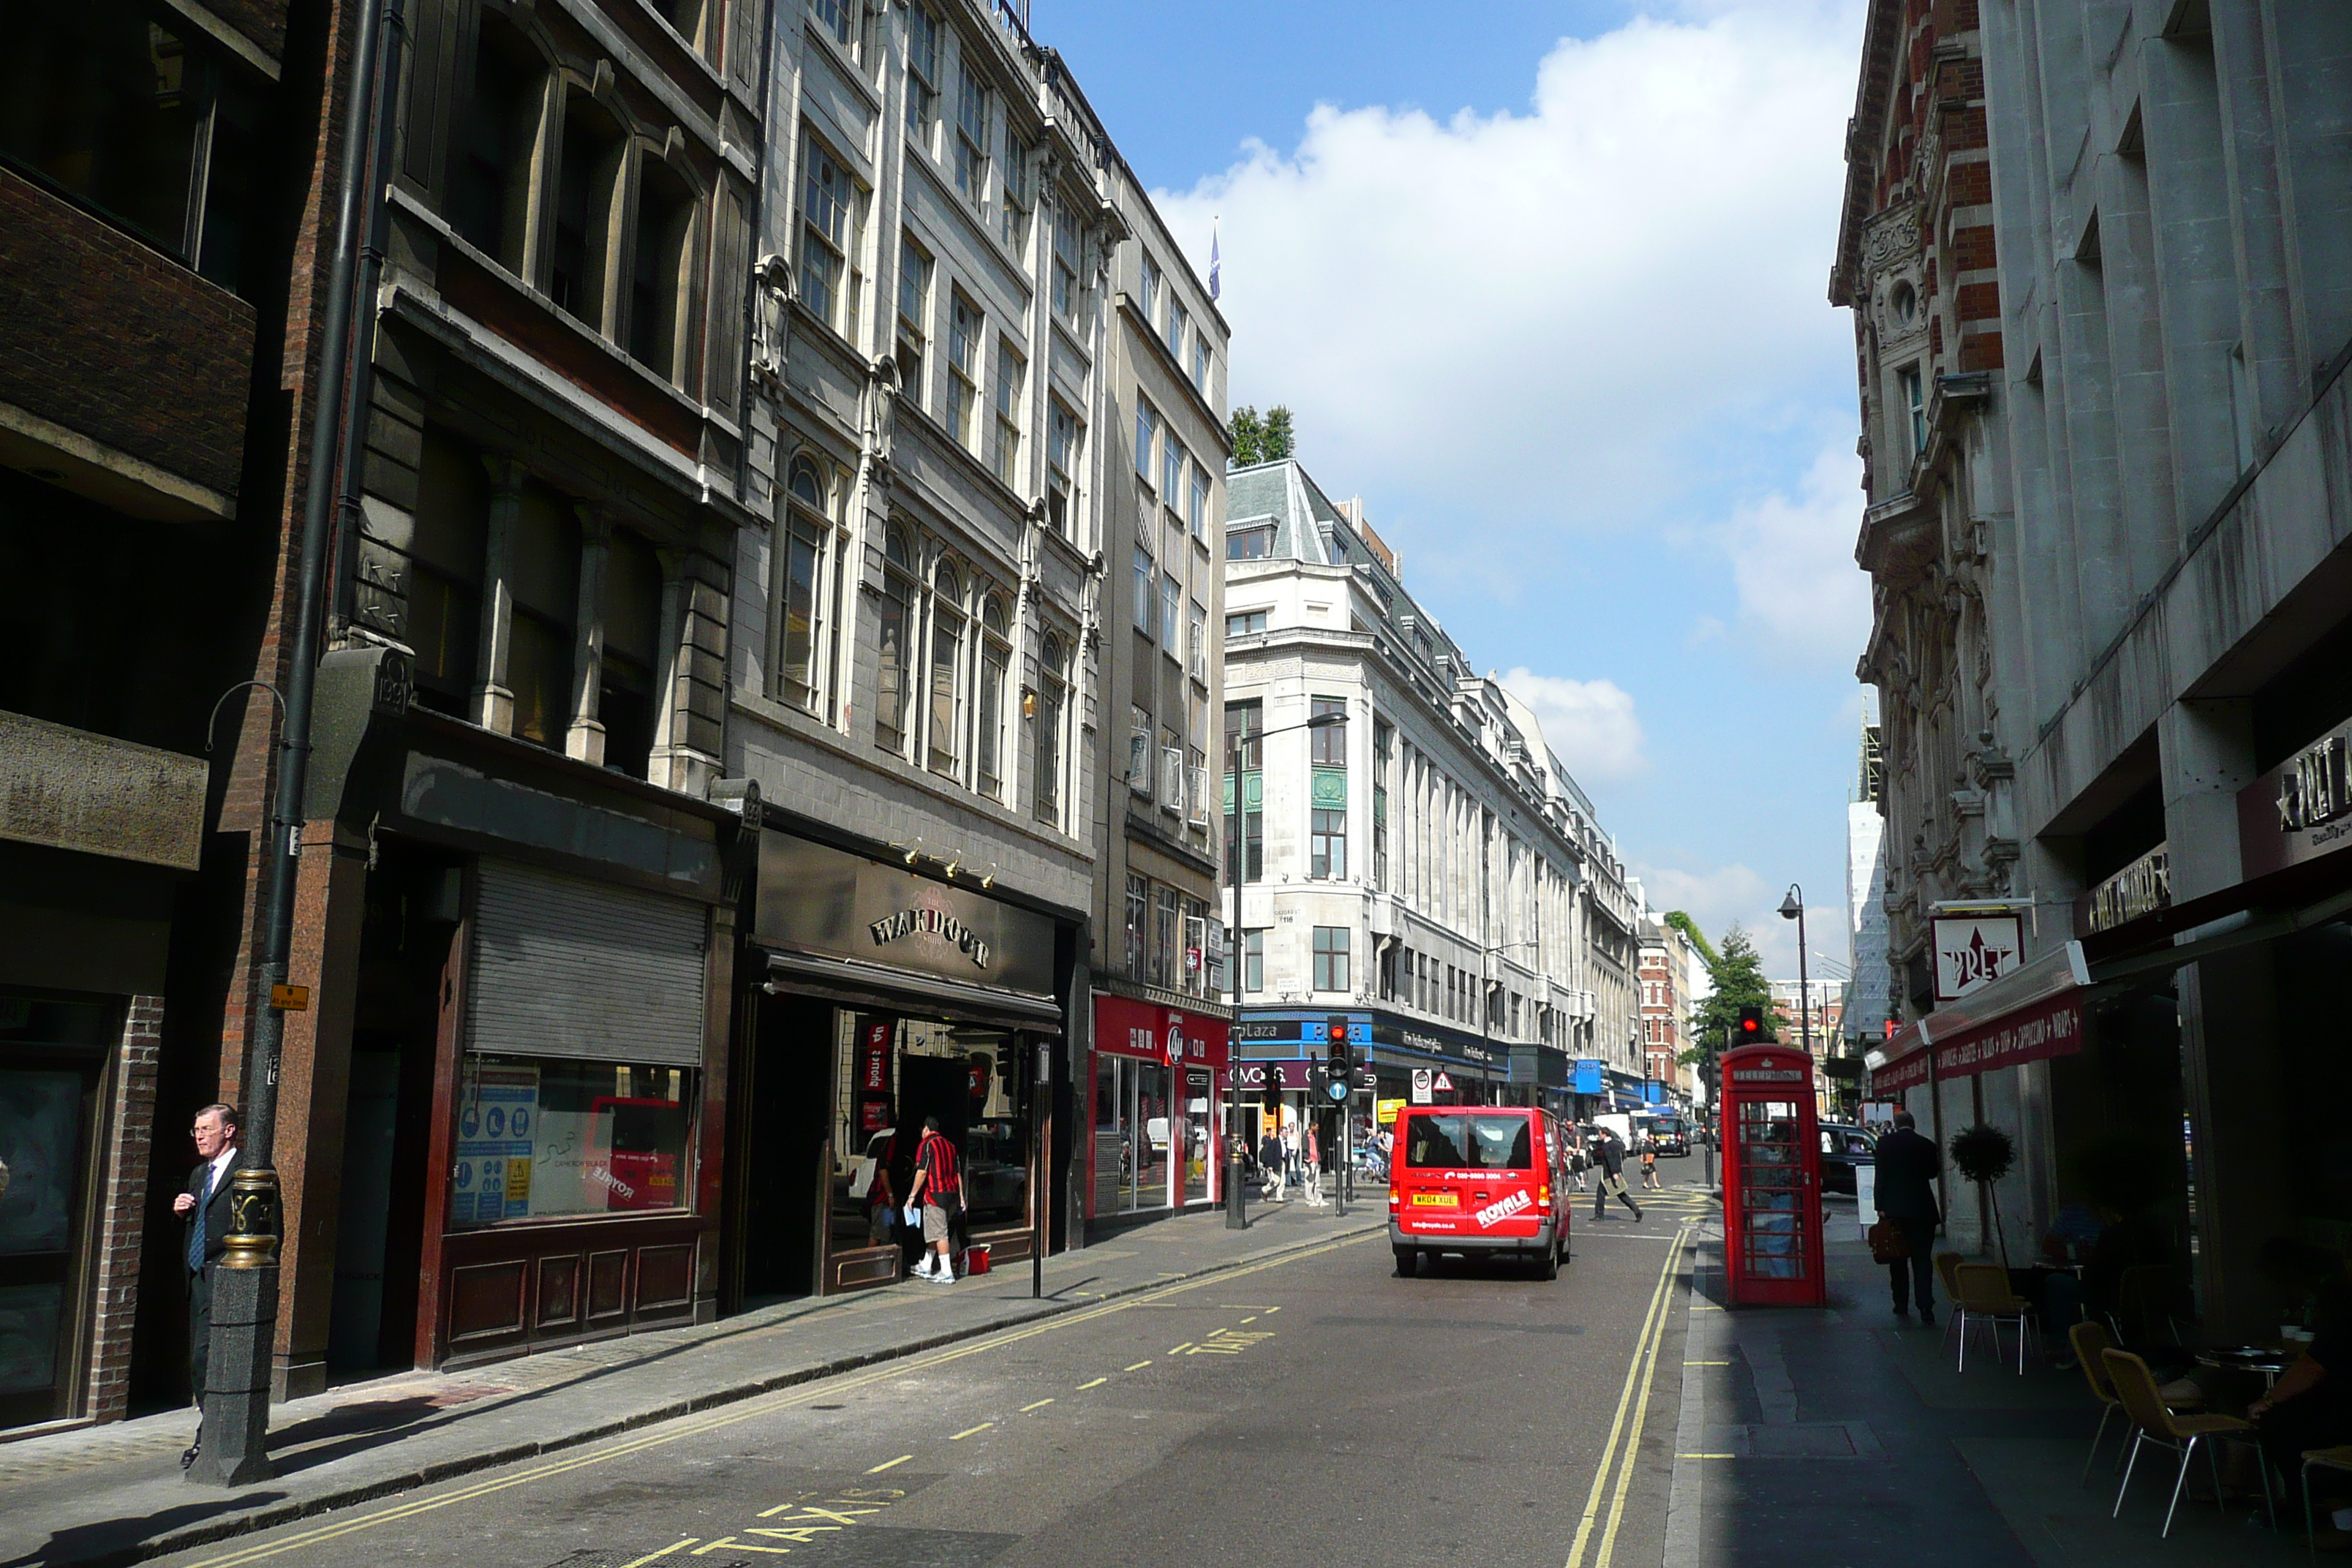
866,984
2031,1013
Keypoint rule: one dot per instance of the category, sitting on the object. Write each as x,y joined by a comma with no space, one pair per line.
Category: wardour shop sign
891,928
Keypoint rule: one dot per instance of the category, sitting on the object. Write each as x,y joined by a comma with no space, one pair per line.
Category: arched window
801,558
947,718
1053,696
995,657
890,695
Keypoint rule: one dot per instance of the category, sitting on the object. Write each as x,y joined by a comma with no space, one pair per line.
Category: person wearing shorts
938,1188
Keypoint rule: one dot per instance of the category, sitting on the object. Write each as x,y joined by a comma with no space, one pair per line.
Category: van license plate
1435,1200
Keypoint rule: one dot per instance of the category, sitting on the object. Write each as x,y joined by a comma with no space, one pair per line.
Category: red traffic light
1751,1025
1335,1031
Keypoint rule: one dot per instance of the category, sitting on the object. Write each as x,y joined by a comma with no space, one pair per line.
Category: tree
1738,977
1261,437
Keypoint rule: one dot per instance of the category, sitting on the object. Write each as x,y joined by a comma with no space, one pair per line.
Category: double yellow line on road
1625,1443
752,1408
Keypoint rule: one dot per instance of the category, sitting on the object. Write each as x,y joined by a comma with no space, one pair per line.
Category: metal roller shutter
566,967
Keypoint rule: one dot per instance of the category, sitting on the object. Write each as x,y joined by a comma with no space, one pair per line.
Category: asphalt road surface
1314,1409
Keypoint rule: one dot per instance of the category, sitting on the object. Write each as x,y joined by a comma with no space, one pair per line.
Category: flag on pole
1213,258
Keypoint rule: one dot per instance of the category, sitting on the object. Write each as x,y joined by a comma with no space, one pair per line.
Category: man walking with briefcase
1905,1238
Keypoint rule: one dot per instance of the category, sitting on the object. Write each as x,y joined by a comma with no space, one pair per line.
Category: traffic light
1750,1031
1008,1061
1338,1068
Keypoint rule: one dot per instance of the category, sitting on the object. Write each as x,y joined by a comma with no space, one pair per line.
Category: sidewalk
1842,1435
114,1493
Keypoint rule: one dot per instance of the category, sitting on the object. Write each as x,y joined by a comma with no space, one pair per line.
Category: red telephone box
1772,1179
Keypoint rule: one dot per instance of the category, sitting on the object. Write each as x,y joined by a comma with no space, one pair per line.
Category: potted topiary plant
1984,1155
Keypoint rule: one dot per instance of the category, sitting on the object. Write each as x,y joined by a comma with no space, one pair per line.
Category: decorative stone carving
772,326
878,410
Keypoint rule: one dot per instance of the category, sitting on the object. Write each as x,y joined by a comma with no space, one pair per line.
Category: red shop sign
2051,1028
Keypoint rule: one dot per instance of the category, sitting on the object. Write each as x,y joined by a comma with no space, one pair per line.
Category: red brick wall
123,1217
109,337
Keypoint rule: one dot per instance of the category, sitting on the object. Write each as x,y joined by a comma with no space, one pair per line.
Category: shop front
875,998
1159,1097
513,1096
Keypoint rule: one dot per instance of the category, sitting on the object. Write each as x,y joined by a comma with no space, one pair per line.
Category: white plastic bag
914,1217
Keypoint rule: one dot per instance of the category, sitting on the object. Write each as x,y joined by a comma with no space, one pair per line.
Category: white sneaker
923,1270
942,1277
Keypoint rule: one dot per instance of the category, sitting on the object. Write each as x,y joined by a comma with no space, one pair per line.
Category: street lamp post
1792,907
1236,1204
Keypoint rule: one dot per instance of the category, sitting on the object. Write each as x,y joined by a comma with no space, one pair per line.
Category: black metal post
1041,1137
1236,1201
243,1318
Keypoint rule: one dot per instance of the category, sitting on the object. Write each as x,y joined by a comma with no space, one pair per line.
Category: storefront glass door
1198,1147
1131,1140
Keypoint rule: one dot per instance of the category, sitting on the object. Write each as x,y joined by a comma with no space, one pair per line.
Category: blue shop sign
1588,1077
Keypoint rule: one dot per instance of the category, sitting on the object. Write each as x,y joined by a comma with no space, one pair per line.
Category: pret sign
1973,951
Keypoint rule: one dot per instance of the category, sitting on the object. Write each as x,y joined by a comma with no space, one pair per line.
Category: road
1310,1409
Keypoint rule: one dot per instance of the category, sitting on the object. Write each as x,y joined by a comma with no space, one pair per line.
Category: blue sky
1545,287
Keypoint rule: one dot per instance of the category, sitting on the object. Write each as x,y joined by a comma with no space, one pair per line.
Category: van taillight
1543,1197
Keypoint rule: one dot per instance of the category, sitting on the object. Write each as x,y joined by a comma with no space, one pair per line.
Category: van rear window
1469,1142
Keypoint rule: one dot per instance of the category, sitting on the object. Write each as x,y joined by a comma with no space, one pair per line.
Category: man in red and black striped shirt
938,1187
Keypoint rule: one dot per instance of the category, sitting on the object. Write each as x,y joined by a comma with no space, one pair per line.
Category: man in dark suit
1908,1166
204,1206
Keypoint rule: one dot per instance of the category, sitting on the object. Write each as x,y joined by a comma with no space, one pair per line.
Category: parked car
1843,1147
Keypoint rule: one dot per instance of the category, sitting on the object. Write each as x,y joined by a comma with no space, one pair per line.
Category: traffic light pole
1236,1201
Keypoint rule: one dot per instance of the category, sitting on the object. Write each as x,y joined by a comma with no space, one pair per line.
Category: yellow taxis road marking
665,1551
1025,1410
1180,1350
1652,1325
1251,1319
1138,1366
889,1464
1096,1384
959,1436
751,1409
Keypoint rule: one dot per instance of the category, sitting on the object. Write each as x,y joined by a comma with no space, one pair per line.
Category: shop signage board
1973,949
2142,887
2049,1029
818,898
2299,810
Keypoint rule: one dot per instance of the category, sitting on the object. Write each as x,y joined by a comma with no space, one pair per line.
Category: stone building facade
1427,867
2109,602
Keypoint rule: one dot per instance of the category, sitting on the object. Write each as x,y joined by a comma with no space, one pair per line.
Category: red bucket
975,1260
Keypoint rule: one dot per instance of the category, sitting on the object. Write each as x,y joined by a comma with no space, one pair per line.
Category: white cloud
1800,594
1591,723
1576,314
1723,896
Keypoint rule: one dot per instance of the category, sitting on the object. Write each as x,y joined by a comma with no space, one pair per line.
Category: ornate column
585,737
493,697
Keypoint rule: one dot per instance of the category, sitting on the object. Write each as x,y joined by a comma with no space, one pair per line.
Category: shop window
1168,934
946,720
1327,846
53,1054
587,197
833,233
801,569
134,118
914,317
1330,745
1052,688
1012,376
490,156
661,302
442,564
543,1136
891,676
891,1073
995,658
625,700
1138,917
1062,446
1331,958
1133,1104
543,569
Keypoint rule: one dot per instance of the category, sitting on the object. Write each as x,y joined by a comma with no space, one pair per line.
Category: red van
1475,1179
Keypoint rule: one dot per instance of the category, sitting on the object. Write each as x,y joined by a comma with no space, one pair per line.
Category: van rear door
1471,1172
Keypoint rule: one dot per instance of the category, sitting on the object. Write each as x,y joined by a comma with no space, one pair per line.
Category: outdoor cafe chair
2089,1339
1982,1290
2135,1385
1945,1262
2338,1458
